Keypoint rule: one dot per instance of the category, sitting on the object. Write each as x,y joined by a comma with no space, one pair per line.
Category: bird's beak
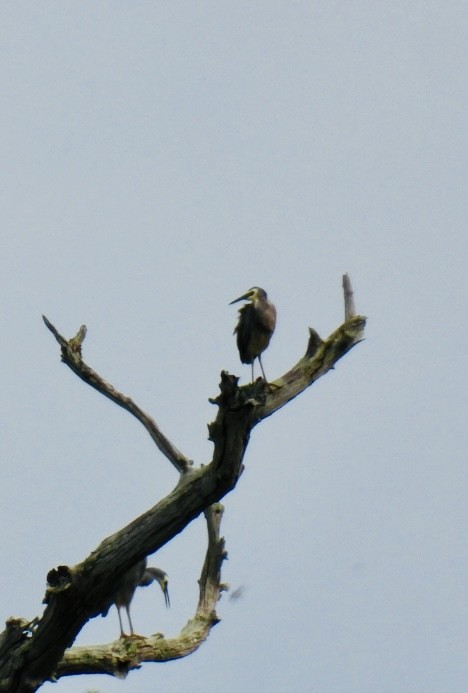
166,596
244,297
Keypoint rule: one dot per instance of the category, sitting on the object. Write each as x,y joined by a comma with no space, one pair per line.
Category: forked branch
123,655
30,653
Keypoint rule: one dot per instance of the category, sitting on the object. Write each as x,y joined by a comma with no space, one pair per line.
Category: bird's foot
273,386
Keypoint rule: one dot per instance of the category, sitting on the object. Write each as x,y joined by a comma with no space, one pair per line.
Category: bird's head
160,577
252,295
163,583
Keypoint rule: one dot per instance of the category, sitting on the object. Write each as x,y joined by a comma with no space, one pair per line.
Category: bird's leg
122,634
270,386
253,370
127,607
261,366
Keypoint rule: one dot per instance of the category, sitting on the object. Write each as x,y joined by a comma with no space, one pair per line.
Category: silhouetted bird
256,325
138,576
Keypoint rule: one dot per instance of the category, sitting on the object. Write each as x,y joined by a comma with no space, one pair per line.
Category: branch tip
350,308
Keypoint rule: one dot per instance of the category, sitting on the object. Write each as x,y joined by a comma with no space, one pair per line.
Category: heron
138,576
257,320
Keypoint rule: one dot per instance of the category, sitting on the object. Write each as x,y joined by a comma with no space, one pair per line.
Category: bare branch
71,356
210,579
125,654
325,354
76,594
30,651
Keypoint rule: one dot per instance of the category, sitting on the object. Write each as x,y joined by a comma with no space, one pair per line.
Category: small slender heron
257,320
138,576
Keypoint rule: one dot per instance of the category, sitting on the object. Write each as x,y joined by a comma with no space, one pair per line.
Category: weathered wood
34,652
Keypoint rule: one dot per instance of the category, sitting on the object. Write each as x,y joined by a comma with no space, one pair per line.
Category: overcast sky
160,158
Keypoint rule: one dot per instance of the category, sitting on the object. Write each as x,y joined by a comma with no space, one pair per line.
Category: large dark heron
138,576
256,324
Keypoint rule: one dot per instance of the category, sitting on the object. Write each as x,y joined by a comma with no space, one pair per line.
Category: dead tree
38,651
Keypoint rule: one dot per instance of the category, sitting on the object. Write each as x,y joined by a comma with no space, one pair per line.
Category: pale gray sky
158,159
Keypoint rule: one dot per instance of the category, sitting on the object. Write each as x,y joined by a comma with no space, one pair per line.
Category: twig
71,356
350,308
